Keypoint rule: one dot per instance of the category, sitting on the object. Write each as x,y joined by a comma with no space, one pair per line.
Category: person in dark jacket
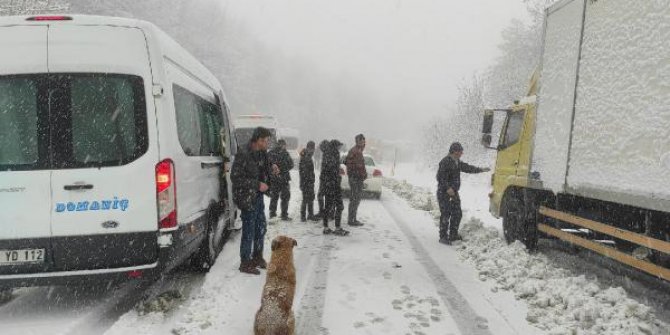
357,174
307,180
332,190
250,175
323,146
280,184
448,185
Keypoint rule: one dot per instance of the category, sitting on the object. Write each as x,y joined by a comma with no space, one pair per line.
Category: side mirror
487,129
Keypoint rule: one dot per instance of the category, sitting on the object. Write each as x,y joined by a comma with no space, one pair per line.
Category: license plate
12,257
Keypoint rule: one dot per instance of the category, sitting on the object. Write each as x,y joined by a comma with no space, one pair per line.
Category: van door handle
208,165
78,187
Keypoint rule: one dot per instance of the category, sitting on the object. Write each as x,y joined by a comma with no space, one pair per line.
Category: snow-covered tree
502,83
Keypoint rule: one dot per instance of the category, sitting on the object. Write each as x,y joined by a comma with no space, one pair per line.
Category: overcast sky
418,49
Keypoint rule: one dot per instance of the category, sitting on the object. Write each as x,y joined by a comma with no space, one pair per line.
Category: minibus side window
188,112
211,122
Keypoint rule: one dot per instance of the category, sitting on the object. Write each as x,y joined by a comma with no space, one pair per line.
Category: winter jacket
250,168
356,164
449,173
330,170
306,168
283,160
324,146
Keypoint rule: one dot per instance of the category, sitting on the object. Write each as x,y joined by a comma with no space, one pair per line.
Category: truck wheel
512,220
516,227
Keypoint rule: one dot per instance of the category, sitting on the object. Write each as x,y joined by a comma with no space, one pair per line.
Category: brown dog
275,317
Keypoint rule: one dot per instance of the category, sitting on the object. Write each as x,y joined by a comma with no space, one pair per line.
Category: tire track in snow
464,316
309,318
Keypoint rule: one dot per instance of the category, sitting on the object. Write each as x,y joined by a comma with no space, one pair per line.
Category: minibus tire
203,260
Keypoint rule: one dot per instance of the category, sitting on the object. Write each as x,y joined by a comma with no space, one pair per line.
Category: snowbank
420,198
559,301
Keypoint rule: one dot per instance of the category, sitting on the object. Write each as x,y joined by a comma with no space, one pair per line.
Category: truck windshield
513,129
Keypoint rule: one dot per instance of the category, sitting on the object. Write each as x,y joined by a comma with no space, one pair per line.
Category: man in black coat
323,146
250,175
448,185
307,180
280,186
332,189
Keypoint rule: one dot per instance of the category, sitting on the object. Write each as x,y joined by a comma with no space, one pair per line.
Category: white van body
245,125
97,114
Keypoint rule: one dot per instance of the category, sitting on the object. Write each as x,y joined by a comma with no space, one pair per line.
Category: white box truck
585,157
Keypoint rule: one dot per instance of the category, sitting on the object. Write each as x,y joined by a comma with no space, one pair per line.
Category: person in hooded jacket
280,184
323,146
332,189
307,180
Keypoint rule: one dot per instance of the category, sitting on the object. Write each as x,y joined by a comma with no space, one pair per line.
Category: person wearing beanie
320,197
307,180
332,189
280,184
448,185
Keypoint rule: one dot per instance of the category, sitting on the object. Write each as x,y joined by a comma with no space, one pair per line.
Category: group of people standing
257,172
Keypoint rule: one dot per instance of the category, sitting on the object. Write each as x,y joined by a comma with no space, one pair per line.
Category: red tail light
377,173
134,274
49,18
342,173
166,195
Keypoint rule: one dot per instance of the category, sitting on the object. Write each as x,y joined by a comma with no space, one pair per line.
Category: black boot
259,262
249,267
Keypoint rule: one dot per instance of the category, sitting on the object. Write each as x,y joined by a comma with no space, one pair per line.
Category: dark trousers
307,206
451,214
356,187
282,191
333,204
253,230
320,197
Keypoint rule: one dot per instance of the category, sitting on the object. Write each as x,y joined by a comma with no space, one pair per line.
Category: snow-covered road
388,277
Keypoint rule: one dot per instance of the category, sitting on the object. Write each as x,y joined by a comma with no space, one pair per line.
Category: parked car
371,186
112,145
